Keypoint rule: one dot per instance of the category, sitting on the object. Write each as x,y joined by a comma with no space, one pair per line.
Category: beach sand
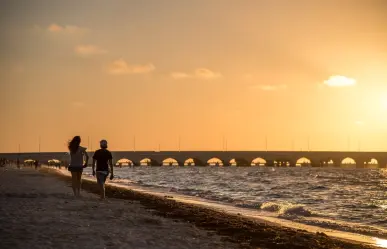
39,211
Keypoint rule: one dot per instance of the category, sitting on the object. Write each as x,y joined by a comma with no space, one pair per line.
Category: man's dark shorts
101,176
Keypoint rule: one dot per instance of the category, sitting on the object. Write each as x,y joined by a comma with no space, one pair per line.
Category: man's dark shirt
102,156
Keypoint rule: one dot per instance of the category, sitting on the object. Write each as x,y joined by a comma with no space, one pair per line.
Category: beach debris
321,234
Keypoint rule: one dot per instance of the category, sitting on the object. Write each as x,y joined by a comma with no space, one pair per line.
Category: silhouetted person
104,159
78,157
36,163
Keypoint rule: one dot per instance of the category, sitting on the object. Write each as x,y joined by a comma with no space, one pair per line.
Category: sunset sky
198,69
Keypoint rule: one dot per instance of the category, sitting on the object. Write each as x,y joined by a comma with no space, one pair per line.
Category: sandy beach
38,211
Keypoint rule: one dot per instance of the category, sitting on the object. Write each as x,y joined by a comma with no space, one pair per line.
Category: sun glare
383,101
381,242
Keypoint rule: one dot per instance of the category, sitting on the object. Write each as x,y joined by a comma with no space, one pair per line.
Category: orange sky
201,70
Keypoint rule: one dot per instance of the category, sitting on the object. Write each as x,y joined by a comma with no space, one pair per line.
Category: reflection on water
345,199
381,242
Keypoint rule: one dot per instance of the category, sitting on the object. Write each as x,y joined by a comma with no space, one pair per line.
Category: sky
212,74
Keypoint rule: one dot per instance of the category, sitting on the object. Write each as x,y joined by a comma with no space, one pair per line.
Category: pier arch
124,162
193,161
189,162
304,162
259,161
148,162
145,162
215,162
241,162
372,163
348,162
170,162
29,161
54,162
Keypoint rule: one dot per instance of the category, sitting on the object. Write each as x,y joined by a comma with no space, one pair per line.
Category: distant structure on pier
229,158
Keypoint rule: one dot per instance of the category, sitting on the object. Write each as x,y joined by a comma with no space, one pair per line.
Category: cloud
67,29
179,75
89,50
206,74
200,73
270,87
120,66
339,81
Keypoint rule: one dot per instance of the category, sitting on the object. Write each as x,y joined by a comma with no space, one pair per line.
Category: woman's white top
77,157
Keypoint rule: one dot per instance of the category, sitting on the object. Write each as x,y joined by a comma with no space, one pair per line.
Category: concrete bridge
228,158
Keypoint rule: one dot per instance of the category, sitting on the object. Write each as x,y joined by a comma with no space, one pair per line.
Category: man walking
104,159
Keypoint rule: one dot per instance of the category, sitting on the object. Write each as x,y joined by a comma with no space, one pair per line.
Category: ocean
345,199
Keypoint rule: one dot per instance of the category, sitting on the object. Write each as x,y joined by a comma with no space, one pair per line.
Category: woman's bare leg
74,182
102,190
79,180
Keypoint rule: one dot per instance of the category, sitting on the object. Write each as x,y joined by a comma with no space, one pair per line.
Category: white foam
271,206
286,209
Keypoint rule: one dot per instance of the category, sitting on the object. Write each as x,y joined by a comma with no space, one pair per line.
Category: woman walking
79,160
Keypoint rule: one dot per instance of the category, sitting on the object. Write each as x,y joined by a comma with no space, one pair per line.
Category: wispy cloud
179,75
270,87
66,29
200,73
120,66
86,50
205,73
339,81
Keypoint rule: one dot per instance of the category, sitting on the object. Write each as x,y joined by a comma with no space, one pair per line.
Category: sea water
352,200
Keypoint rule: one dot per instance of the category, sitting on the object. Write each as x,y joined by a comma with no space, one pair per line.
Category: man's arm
111,167
93,166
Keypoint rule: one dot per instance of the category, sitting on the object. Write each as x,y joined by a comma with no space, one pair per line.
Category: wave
336,194
369,230
286,209
205,194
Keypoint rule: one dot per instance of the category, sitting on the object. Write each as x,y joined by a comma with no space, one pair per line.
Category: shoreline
247,230
258,215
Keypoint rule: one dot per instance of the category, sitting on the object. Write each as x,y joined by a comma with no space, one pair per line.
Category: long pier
227,158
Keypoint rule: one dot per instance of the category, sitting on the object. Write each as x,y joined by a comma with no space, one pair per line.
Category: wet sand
218,229
37,210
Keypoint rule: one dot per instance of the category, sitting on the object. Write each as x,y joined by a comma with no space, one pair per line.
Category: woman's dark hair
74,144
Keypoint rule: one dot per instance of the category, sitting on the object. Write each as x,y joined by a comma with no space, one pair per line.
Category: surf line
236,211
